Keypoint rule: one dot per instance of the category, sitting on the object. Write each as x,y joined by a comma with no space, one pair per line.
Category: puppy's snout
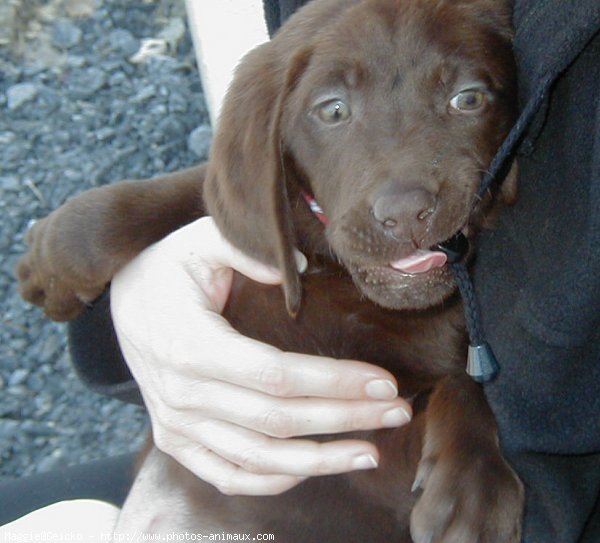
403,211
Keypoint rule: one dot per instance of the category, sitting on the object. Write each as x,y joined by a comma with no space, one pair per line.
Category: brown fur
397,64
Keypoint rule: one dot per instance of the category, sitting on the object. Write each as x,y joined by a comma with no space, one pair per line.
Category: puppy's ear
245,190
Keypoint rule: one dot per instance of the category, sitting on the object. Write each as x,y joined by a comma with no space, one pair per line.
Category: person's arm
222,404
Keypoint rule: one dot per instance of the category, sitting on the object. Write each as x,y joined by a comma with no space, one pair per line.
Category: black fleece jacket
537,278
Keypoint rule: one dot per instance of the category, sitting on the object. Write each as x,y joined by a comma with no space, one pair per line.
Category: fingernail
364,461
381,389
395,417
301,262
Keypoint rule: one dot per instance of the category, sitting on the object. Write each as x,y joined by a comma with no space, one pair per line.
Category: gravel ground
76,111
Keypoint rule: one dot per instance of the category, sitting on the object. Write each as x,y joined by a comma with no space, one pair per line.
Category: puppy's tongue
420,261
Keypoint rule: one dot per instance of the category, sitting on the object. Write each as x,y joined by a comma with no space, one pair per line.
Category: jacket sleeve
277,11
96,355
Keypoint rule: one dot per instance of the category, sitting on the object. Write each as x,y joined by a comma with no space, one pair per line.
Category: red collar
315,208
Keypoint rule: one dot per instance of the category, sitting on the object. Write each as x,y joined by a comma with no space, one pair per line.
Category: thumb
222,254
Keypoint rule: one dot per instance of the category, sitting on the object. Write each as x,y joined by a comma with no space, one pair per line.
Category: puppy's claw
423,471
417,484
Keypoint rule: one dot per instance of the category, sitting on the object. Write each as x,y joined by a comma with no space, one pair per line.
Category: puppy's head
388,112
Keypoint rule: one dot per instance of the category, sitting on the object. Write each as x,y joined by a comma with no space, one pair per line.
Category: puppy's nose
400,208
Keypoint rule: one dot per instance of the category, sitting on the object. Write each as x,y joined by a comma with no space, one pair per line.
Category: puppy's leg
75,251
470,493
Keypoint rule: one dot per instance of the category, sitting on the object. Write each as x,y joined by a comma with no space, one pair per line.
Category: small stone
160,67
38,428
8,428
10,363
107,409
49,349
20,94
65,34
117,79
145,93
177,103
18,377
7,137
173,32
199,141
86,83
9,406
42,403
76,61
159,110
49,100
109,65
168,129
51,462
105,133
35,382
123,42
10,182
15,153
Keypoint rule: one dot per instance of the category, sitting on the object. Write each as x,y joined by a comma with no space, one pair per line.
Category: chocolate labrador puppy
359,134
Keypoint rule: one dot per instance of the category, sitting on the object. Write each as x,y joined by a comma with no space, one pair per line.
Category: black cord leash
482,365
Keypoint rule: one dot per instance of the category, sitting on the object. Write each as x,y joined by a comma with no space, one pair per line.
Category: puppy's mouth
454,249
416,281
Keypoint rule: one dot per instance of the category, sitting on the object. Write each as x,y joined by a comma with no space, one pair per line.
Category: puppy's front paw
470,495
48,273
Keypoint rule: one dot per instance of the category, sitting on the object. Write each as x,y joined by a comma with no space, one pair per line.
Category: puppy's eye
333,111
468,100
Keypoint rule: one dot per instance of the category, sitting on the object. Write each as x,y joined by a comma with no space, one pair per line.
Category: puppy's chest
336,320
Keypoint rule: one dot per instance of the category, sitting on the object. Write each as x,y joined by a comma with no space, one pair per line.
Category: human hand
226,406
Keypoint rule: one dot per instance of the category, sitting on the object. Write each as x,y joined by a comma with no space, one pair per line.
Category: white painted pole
222,32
